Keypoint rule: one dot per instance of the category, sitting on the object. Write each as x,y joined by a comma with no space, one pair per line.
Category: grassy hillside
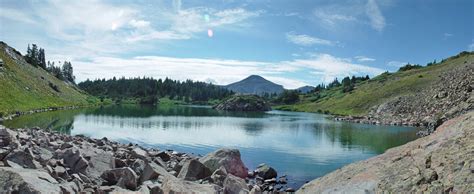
24,87
377,90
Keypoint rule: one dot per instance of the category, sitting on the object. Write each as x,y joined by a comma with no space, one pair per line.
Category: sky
290,42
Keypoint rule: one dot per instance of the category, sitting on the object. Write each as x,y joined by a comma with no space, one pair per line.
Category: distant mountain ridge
255,84
305,89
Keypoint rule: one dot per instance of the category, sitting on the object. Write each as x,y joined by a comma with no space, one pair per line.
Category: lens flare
210,33
206,18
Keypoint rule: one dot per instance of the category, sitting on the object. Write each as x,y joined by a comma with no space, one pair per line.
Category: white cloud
221,71
16,15
340,13
329,67
377,20
332,19
396,63
447,34
139,23
471,47
192,20
364,59
306,40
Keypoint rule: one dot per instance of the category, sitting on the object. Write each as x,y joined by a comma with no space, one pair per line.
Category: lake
303,146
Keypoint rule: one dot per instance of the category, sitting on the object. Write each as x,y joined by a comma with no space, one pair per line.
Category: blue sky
290,42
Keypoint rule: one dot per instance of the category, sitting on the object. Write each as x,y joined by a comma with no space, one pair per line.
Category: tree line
148,90
36,57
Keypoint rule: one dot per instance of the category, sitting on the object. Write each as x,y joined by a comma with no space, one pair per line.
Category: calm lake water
303,146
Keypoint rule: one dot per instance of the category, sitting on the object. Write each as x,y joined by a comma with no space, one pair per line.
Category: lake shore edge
46,161
438,163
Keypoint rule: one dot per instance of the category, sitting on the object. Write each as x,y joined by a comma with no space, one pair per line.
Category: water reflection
301,145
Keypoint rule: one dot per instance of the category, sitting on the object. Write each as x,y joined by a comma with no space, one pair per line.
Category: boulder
228,158
153,171
219,176
138,166
174,185
164,156
73,159
150,187
139,153
99,161
122,177
5,137
194,170
19,180
233,184
266,172
112,189
20,158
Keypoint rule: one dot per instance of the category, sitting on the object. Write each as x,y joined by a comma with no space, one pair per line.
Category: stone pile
38,161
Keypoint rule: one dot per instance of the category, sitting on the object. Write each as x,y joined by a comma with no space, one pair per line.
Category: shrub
54,87
409,67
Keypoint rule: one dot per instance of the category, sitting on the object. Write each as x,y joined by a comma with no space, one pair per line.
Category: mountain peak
255,84
255,77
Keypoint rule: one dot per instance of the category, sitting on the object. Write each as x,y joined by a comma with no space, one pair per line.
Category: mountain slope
416,96
255,84
24,87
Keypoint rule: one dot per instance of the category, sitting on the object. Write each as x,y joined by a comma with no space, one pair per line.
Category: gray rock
5,137
266,172
112,189
99,161
138,166
234,184
194,170
228,158
139,153
19,180
69,188
174,185
123,177
60,171
20,158
256,190
164,156
219,176
152,171
73,159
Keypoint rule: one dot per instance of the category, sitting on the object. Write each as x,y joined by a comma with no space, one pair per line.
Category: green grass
24,87
375,91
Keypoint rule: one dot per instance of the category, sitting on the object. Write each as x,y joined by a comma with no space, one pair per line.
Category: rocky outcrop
244,103
438,163
37,161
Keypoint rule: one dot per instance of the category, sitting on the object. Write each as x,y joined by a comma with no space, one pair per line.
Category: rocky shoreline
20,113
251,103
38,161
442,162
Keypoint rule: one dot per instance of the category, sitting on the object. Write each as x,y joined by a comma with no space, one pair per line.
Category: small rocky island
37,161
244,103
